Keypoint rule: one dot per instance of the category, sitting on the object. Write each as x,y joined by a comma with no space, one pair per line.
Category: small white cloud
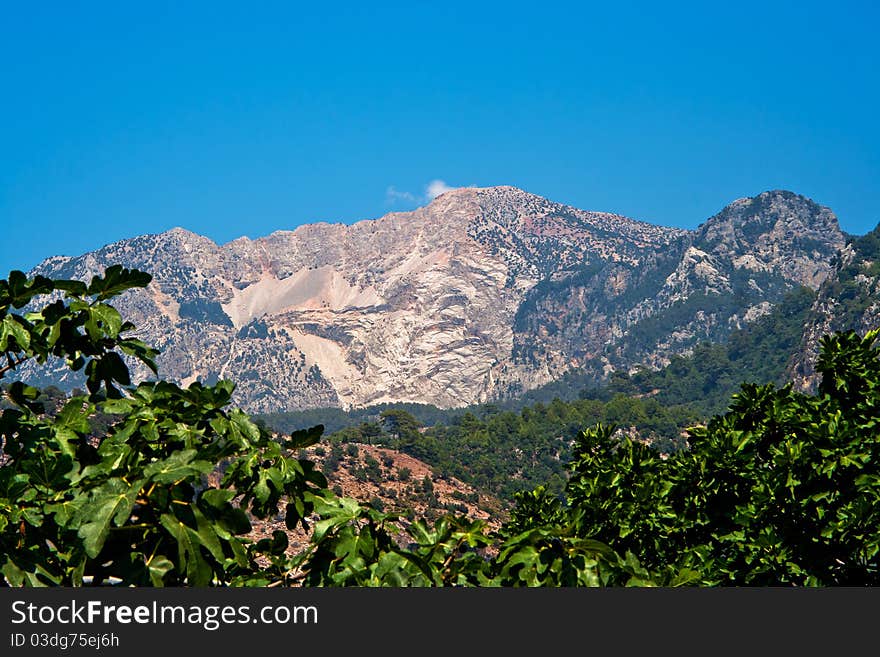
435,188
393,196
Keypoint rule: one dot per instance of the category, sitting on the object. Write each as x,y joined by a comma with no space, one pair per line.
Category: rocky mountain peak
775,231
776,208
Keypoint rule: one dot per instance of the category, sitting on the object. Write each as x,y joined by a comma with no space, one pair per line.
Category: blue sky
119,119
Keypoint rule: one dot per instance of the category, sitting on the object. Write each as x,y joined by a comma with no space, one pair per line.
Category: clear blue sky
119,119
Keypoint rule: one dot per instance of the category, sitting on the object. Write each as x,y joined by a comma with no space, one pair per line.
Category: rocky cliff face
705,283
481,294
848,299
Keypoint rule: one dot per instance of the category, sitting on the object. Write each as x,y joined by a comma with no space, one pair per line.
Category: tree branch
11,363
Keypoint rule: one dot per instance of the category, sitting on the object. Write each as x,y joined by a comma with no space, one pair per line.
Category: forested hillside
516,445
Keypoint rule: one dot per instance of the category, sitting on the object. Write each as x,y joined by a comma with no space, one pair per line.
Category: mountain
849,299
728,272
482,294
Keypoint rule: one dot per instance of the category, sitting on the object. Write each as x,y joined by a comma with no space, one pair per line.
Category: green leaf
12,328
245,426
217,505
116,279
24,396
73,288
74,416
110,503
208,535
235,521
109,316
262,492
139,350
304,437
18,290
275,545
180,465
191,562
217,498
64,511
158,567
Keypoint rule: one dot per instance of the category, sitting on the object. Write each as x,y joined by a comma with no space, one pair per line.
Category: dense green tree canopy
784,488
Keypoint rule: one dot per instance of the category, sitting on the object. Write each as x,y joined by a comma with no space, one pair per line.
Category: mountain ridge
481,294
